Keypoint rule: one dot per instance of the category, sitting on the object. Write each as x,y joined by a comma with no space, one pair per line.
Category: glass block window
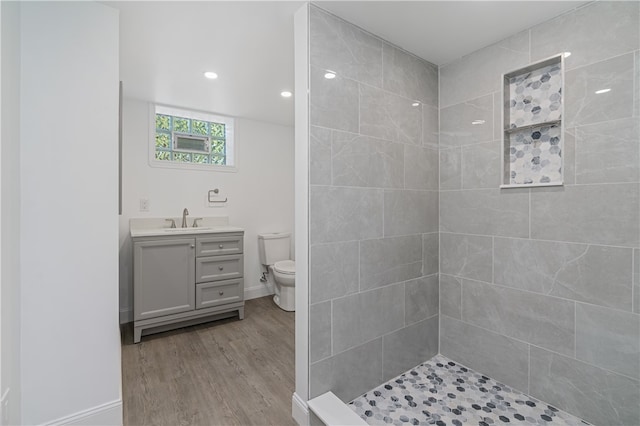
184,138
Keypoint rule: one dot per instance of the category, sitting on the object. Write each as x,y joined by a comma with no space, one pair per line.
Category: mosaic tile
535,96
441,392
535,155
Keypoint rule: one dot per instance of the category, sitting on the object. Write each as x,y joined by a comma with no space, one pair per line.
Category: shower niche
532,147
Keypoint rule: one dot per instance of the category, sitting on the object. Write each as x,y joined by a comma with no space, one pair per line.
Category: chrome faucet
185,212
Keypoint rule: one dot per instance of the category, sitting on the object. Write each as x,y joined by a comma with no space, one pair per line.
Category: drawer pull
221,293
220,246
220,268
193,246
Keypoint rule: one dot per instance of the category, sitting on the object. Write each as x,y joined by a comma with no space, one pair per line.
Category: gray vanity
185,276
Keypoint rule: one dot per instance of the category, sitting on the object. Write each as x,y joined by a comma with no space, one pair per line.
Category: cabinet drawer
219,293
219,245
216,268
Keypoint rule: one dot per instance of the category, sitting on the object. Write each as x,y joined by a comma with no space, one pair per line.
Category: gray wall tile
636,102
334,270
410,212
430,253
489,353
420,167
591,34
390,260
411,346
486,212
498,124
409,76
456,128
344,48
466,256
319,331
333,103
569,156
608,152
584,106
608,338
541,320
421,299
479,73
365,161
388,116
451,168
451,296
572,271
598,214
636,281
349,374
344,214
364,316
481,167
430,126
596,395
319,156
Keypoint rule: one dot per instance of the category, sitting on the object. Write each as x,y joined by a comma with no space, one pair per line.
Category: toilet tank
274,247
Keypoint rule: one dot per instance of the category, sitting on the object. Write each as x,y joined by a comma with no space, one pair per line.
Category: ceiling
166,46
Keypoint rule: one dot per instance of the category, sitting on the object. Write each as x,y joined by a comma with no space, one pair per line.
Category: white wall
260,193
10,214
69,223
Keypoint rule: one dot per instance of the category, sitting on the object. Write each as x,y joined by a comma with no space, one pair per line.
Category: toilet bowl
274,251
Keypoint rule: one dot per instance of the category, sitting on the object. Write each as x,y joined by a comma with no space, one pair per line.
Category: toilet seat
287,267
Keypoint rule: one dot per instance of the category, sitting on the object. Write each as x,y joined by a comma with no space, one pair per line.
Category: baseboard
255,292
126,315
299,410
108,414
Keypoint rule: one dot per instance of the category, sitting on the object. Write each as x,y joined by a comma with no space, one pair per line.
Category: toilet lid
285,266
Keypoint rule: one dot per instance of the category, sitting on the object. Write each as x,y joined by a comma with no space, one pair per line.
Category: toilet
275,253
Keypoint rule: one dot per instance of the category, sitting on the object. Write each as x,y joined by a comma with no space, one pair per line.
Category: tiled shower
414,248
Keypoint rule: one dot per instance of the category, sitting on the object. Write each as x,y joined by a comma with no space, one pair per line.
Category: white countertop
153,227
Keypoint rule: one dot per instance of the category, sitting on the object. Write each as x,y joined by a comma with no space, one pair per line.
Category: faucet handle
195,221
173,222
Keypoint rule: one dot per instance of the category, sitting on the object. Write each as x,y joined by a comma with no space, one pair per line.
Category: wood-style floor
227,372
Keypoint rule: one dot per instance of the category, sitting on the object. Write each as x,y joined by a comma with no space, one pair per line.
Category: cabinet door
164,277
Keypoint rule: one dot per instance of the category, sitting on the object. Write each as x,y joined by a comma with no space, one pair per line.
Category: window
191,139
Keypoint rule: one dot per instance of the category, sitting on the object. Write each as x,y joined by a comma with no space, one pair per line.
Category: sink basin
187,230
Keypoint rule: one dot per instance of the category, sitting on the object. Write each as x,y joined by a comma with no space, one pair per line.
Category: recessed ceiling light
415,104
329,75
211,75
476,122
598,92
286,94
566,54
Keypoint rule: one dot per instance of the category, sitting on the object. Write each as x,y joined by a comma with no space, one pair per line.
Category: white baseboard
126,315
299,410
108,414
255,292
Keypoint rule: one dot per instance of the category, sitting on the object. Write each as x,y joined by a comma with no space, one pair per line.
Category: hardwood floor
227,372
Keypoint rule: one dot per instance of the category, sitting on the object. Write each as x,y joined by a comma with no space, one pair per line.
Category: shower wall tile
344,48
456,122
430,126
430,253
421,299
636,281
319,156
451,168
598,214
409,76
334,270
319,331
451,296
569,156
390,260
584,106
478,73
609,339
493,354
410,212
608,152
467,256
485,212
365,161
571,271
600,31
420,168
596,395
348,374
636,102
333,103
540,320
498,123
388,116
361,317
344,214
481,166
408,347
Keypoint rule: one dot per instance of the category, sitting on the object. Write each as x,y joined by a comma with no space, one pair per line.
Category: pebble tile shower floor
441,392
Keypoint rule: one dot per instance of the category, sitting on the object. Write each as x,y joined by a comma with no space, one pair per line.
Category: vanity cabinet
185,280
